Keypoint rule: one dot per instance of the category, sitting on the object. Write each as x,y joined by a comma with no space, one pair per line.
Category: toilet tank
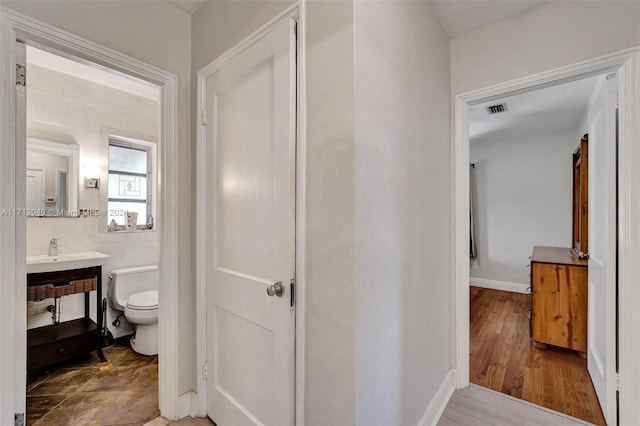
125,282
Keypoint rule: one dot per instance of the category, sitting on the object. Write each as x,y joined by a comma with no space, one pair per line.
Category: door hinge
617,381
292,293
204,117
205,371
21,75
18,419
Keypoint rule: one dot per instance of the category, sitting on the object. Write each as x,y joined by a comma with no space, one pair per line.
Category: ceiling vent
496,109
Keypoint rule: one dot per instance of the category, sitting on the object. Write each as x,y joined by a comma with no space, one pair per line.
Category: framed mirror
52,178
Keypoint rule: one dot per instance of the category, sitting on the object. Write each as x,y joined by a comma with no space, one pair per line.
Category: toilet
135,292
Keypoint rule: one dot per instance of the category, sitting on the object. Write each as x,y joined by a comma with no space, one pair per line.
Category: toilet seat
145,301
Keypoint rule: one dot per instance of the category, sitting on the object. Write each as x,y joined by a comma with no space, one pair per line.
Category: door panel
602,246
250,142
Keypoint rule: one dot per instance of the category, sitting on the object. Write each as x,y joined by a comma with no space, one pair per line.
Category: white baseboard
499,285
187,404
439,401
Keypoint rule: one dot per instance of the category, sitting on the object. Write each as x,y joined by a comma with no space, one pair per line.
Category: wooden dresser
559,298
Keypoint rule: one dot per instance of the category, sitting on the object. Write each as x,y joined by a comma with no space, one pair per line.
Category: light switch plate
92,183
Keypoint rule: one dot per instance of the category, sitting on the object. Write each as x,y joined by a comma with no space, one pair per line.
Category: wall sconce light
92,183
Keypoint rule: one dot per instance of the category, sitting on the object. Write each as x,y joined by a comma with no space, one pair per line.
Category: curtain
472,237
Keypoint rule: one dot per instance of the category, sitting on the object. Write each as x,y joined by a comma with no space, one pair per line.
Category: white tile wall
68,109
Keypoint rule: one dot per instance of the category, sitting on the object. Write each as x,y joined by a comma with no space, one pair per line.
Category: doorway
528,327
31,32
247,247
623,64
74,113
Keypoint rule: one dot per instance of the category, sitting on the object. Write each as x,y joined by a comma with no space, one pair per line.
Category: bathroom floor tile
132,359
122,391
103,408
64,382
92,360
124,378
37,379
38,406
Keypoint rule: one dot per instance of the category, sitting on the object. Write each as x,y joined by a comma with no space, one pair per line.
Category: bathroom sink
65,261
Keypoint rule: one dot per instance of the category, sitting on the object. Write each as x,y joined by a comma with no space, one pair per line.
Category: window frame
149,149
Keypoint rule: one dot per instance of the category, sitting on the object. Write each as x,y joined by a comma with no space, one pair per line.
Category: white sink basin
65,261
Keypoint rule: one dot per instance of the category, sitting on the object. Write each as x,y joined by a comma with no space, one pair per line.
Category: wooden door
250,140
602,246
581,198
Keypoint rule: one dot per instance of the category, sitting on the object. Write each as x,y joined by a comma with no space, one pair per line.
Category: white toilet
135,291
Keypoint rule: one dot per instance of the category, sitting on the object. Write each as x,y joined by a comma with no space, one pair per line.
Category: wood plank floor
478,406
502,358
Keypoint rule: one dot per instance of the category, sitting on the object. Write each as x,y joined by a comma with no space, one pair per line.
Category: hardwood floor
502,358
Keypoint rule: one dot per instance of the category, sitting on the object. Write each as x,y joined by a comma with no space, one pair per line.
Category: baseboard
439,401
499,285
187,404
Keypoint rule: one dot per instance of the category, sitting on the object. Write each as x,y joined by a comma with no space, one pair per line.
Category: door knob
276,289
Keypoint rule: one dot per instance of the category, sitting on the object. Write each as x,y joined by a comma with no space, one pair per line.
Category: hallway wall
403,211
550,36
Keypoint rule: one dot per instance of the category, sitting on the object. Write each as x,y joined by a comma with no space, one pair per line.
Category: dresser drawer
559,305
56,343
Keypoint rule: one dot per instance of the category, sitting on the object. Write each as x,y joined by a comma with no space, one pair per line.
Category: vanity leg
99,317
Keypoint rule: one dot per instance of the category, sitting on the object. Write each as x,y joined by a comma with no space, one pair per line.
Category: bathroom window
129,192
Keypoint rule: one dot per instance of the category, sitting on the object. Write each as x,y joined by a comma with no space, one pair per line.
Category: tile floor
122,391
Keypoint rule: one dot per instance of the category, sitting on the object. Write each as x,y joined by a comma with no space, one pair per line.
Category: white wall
330,280
67,109
403,224
523,198
555,34
330,221
159,34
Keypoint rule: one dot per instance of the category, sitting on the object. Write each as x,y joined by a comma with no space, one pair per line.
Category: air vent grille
496,109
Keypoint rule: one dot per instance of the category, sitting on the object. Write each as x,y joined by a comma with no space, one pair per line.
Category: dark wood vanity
60,342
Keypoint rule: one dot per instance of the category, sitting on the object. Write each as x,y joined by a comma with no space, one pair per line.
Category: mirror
52,178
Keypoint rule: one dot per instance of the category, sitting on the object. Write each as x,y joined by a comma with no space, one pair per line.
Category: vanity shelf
57,343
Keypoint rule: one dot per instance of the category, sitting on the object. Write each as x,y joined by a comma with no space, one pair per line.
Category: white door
602,246
250,144
35,189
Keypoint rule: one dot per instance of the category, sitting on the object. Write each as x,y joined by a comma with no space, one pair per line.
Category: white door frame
14,26
627,64
293,12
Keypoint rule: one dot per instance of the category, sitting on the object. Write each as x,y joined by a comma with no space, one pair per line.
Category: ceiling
92,72
458,17
464,16
188,6
553,108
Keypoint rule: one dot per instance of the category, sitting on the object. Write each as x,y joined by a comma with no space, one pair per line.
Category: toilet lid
146,300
